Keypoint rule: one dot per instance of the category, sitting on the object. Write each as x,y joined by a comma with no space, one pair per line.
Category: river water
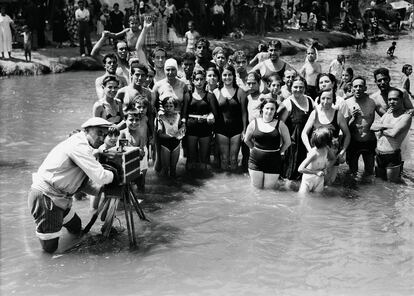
211,234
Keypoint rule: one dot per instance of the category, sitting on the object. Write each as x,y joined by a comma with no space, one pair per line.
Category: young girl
137,133
316,163
407,69
347,77
170,134
201,112
310,71
261,56
233,115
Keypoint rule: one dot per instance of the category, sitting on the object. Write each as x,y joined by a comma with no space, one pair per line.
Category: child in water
27,43
137,133
407,70
317,161
391,49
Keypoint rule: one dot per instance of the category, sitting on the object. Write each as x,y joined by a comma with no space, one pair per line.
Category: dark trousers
84,37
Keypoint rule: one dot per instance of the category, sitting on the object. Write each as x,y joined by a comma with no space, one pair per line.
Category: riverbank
58,60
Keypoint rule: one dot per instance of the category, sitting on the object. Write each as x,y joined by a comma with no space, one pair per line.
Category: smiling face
122,50
268,111
288,79
346,77
227,77
110,89
110,140
132,121
274,53
383,82
298,88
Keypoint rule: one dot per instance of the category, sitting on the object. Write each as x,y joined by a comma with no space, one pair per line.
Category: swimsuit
265,155
171,143
197,126
231,112
108,113
311,183
388,159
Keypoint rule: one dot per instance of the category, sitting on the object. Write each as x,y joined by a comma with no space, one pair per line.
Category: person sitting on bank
69,168
392,128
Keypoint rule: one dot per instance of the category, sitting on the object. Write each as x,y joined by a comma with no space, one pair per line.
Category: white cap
96,121
171,63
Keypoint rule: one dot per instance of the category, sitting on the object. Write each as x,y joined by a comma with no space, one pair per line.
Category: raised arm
98,45
140,42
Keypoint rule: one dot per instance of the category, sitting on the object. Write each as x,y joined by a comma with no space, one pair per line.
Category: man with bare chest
363,141
392,130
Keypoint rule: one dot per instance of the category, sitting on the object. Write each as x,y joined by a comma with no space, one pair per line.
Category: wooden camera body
125,160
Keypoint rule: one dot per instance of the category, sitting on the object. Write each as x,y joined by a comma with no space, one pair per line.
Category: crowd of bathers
273,121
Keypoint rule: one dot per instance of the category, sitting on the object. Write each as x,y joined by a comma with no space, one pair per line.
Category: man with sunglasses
69,168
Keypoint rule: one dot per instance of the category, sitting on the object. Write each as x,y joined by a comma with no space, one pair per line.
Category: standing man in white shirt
69,168
82,16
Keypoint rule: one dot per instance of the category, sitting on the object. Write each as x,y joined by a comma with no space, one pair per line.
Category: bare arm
305,132
243,101
119,34
345,130
402,125
309,158
254,60
97,109
284,132
97,47
249,133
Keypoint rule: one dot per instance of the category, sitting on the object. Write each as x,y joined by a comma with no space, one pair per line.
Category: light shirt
191,40
336,68
66,167
82,15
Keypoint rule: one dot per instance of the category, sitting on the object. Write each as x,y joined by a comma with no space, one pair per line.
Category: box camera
125,160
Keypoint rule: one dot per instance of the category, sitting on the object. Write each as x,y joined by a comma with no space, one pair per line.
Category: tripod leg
126,210
137,207
134,241
113,203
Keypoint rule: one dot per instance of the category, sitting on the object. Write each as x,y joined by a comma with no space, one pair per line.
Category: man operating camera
69,168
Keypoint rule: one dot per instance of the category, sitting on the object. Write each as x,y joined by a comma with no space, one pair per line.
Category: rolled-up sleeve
82,156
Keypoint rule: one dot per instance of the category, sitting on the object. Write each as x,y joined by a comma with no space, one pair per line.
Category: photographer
69,168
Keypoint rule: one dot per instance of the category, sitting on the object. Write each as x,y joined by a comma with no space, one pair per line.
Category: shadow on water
15,164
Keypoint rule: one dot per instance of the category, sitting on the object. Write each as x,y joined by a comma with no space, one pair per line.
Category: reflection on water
208,235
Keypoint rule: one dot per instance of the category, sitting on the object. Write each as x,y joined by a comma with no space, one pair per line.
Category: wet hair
300,78
266,101
204,41
188,56
360,78
141,99
274,43
406,67
350,71
198,71
111,56
255,75
110,78
113,132
321,137
262,47
136,65
167,99
331,77
274,77
383,71
233,72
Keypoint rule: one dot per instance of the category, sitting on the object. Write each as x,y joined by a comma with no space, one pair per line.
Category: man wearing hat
70,167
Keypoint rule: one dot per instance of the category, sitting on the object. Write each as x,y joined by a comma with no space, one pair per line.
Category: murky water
211,235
